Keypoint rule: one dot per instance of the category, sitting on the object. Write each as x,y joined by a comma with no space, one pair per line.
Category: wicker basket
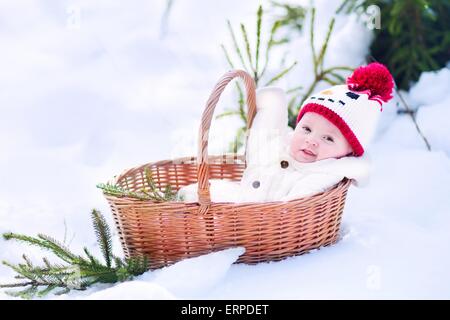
167,232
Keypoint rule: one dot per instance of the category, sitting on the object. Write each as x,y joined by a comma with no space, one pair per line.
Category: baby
333,129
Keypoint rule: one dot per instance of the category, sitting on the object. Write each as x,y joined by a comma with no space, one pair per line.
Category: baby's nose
312,142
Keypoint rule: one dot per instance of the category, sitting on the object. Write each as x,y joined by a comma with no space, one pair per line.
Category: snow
133,290
92,88
434,123
194,277
422,94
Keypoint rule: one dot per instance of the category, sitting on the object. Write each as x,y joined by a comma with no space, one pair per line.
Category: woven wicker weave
167,232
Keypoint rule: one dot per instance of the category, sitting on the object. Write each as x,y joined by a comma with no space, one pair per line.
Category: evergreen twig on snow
78,272
150,191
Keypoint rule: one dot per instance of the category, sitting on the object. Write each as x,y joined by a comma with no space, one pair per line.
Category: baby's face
315,138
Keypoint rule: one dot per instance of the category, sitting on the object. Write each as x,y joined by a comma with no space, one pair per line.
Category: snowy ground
90,88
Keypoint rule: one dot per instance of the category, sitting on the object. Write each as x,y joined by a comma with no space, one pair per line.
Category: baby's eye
328,138
306,129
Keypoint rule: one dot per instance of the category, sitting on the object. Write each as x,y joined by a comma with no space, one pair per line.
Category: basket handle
204,197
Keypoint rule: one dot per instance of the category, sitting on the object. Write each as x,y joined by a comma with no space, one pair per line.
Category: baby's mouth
308,152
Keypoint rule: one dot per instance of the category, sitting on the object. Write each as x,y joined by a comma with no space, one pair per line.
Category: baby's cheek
335,151
297,137
291,146
294,142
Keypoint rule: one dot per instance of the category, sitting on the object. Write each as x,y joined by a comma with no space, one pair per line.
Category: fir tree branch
154,191
338,77
46,291
332,69
311,38
247,49
27,293
241,103
63,291
117,191
103,234
258,36
151,192
42,242
236,46
227,56
227,113
329,81
270,43
14,285
281,74
325,44
79,273
94,261
292,90
60,250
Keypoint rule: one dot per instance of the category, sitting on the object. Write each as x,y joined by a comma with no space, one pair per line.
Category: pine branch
154,191
227,56
281,74
247,48
151,192
238,141
14,285
236,46
332,69
241,103
46,291
60,250
258,36
168,193
292,18
325,44
292,90
117,191
78,273
38,277
61,292
28,261
27,293
329,81
94,261
42,242
338,77
46,262
311,39
165,18
270,44
227,113
103,234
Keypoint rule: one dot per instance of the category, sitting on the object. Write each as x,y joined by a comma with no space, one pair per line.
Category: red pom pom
375,79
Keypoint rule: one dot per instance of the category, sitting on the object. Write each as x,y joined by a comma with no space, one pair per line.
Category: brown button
256,184
284,164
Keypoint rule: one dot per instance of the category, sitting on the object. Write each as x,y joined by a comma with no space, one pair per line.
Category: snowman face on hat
346,97
315,138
